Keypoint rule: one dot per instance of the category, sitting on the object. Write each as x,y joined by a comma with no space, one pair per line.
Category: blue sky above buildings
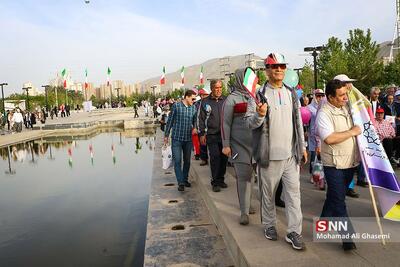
136,38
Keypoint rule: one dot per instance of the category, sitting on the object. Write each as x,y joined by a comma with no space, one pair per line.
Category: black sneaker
197,157
348,246
280,203
352,193
187,184
296,240
223,185
270,233
216,188
181,187
362,183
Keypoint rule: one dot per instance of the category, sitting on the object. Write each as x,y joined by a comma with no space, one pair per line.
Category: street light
117,93
314,52
27,96
2,96
45,92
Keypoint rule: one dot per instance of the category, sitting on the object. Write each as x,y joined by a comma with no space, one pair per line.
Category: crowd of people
265,134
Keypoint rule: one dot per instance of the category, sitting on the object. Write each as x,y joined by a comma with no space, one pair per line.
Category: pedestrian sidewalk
249,247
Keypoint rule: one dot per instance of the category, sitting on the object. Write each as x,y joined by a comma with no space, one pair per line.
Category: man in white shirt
18,120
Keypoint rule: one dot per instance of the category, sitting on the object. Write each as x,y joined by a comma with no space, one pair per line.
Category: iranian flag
86,82
63,74
108,76
183,75
250,82
201,76
162,79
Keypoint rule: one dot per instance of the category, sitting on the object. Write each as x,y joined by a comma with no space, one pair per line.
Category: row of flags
162,79
64,75
201,76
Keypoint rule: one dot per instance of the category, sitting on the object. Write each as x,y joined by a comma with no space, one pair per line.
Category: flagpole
371,192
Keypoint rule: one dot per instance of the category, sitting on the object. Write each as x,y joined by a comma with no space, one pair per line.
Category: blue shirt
182,120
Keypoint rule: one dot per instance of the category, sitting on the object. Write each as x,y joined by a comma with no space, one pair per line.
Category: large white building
32,91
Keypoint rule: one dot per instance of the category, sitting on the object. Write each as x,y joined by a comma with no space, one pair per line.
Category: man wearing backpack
278,148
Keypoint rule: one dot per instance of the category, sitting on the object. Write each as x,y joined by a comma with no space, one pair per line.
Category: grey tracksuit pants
244,179
269,178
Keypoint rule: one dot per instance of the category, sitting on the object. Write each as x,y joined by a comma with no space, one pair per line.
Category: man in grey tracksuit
236,141
278,147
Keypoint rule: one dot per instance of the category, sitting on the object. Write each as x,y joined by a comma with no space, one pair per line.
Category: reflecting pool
75,200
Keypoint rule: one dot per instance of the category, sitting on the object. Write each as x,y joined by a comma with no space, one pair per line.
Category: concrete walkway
196,240
249,247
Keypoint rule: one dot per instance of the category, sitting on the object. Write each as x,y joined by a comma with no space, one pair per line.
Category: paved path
251,248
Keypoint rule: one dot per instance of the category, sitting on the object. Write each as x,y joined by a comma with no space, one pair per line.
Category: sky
38,38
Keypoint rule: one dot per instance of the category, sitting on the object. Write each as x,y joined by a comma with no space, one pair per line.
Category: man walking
182,120
339,151
210,133
278,147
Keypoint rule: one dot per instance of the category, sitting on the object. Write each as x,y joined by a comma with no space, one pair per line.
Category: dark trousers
388,146
218,160
338,180
203,152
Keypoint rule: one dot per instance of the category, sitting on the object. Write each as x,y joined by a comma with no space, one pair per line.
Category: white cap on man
344,78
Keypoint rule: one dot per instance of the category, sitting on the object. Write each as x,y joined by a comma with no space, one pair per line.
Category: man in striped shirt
182,121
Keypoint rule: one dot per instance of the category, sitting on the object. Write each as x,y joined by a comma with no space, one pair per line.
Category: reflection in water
80,213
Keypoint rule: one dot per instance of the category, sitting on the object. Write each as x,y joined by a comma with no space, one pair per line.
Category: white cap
397,93
344,78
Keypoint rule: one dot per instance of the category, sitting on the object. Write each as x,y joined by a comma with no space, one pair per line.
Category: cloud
137,38
135,47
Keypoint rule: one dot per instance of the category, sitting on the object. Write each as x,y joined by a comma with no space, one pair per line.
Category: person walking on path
203,93
181,121
237,143
210,134
278,148
313,107
339,151
18,120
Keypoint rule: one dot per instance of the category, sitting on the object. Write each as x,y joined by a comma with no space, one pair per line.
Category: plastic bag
318,174
166,155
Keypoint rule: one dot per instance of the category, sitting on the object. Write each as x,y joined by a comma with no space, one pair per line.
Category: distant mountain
384,50
213,68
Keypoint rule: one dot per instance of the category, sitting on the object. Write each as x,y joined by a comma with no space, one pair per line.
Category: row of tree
357,58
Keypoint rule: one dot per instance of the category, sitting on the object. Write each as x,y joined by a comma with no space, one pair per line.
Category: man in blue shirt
182,121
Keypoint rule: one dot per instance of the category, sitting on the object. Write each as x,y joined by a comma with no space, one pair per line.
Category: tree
332,60
391,72
262,78
306,78
362,63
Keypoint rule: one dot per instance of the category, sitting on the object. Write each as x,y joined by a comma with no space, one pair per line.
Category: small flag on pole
108,76
183,75
162,80
86,82
250,82
63,74
201,76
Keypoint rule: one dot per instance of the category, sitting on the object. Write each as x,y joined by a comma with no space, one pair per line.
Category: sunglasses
319,95
193,99
276,66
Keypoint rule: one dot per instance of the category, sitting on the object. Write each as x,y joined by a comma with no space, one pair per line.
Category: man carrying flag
339,151
278,148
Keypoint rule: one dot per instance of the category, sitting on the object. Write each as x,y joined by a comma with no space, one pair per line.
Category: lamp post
45,93
2,96
314,52
27,96
117,93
